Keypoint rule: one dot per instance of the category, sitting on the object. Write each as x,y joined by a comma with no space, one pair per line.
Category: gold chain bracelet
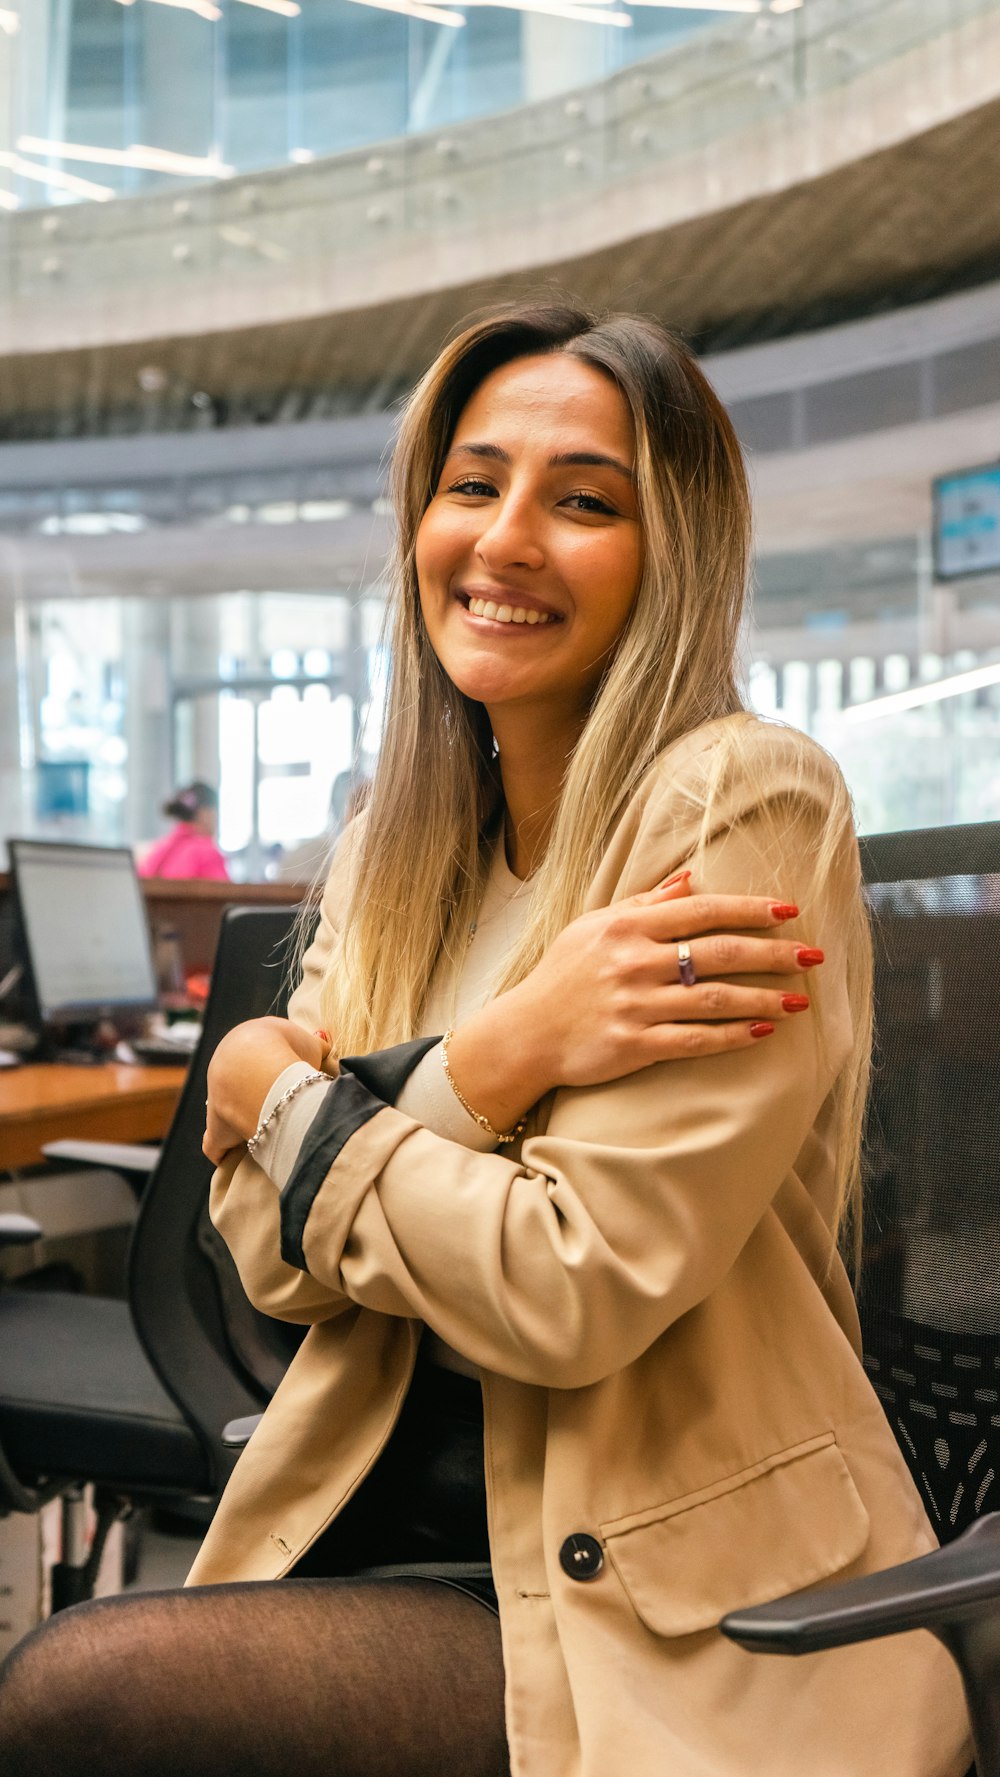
477,1116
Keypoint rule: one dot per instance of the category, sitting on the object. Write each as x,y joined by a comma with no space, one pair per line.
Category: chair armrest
119,1156
18,1230
236,1433
954,1586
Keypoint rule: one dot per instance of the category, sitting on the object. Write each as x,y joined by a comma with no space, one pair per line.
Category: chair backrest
930,1283
215,1354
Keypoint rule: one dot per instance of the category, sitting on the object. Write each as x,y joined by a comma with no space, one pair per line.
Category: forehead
554,399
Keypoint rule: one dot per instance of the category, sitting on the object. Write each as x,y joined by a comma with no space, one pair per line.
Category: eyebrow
594,459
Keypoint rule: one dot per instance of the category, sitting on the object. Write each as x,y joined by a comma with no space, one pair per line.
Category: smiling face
529,555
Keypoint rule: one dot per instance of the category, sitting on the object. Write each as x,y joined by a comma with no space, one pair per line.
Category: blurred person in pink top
189,849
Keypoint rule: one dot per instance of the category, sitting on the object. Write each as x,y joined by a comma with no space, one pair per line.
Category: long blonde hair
421,856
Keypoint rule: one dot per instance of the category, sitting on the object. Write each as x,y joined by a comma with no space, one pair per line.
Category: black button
581,1556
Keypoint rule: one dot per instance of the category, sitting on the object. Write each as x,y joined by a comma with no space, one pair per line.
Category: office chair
131,1396
929,1294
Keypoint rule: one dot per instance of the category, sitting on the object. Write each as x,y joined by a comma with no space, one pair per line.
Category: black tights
292,1678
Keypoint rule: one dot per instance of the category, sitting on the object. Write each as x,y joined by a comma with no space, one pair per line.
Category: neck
534,749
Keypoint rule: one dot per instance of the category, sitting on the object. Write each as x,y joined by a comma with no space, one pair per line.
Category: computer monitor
83,925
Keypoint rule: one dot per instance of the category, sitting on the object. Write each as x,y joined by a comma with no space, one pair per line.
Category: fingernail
669,883
794,1002
324,1035
762,1030
807,959
784,910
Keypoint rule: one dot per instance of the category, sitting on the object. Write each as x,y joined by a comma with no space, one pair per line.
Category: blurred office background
233,233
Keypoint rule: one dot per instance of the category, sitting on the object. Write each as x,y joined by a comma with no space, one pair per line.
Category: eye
585,502
473,485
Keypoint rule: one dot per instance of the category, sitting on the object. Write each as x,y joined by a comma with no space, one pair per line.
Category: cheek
441,539
426,555
614,583
423,552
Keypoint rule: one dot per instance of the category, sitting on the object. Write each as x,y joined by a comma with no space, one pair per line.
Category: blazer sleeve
563,1265
243,1202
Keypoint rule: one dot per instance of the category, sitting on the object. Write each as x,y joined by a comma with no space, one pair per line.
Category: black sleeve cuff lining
365,1085
387,1070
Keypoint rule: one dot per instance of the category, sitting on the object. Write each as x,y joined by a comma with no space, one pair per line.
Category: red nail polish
794,1002
324,1035
762,1030
784,910
807,959
669,883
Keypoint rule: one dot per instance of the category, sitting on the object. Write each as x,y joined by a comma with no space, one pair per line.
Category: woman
189,849
612,1192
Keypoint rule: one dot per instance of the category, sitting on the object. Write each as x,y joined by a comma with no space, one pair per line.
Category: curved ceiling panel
794,180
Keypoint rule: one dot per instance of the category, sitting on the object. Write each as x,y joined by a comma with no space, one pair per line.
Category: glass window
253,89
123,699
236,730
76,742
919,746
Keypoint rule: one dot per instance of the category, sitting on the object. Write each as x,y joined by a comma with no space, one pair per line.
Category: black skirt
421,1511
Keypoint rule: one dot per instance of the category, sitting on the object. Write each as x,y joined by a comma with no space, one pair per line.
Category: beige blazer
670,1365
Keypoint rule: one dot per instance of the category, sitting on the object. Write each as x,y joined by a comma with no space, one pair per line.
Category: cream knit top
427,1096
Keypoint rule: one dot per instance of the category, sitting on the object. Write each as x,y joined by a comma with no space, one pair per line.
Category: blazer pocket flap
786,1523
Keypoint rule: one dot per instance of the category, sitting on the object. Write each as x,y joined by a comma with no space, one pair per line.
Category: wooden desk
49,1102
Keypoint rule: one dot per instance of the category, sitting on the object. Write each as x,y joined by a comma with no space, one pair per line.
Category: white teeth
506,613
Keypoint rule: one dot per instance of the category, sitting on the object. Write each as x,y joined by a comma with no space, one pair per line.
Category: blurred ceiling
900,224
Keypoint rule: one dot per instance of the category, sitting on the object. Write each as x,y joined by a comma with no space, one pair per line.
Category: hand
608,995
242,1071
606,998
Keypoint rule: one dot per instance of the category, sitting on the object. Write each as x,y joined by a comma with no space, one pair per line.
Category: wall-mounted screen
967,522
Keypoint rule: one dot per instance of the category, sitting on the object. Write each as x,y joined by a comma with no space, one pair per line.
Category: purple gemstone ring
685,967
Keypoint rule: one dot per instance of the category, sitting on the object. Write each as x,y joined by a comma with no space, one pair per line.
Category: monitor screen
967,522
83,920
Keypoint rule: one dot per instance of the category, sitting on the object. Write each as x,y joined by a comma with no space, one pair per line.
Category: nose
510,538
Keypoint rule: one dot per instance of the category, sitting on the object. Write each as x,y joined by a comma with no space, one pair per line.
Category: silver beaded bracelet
286,1098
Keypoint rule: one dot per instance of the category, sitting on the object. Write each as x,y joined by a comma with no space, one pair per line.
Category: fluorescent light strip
55,177
164,160
244,237
204,9
9,21
154,160
918,695
589,12
704,5
414,9
289,9
785,5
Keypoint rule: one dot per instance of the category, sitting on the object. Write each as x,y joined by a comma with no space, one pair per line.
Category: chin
482,688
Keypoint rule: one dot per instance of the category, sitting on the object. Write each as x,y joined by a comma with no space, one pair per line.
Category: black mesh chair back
215,1354
930,1284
